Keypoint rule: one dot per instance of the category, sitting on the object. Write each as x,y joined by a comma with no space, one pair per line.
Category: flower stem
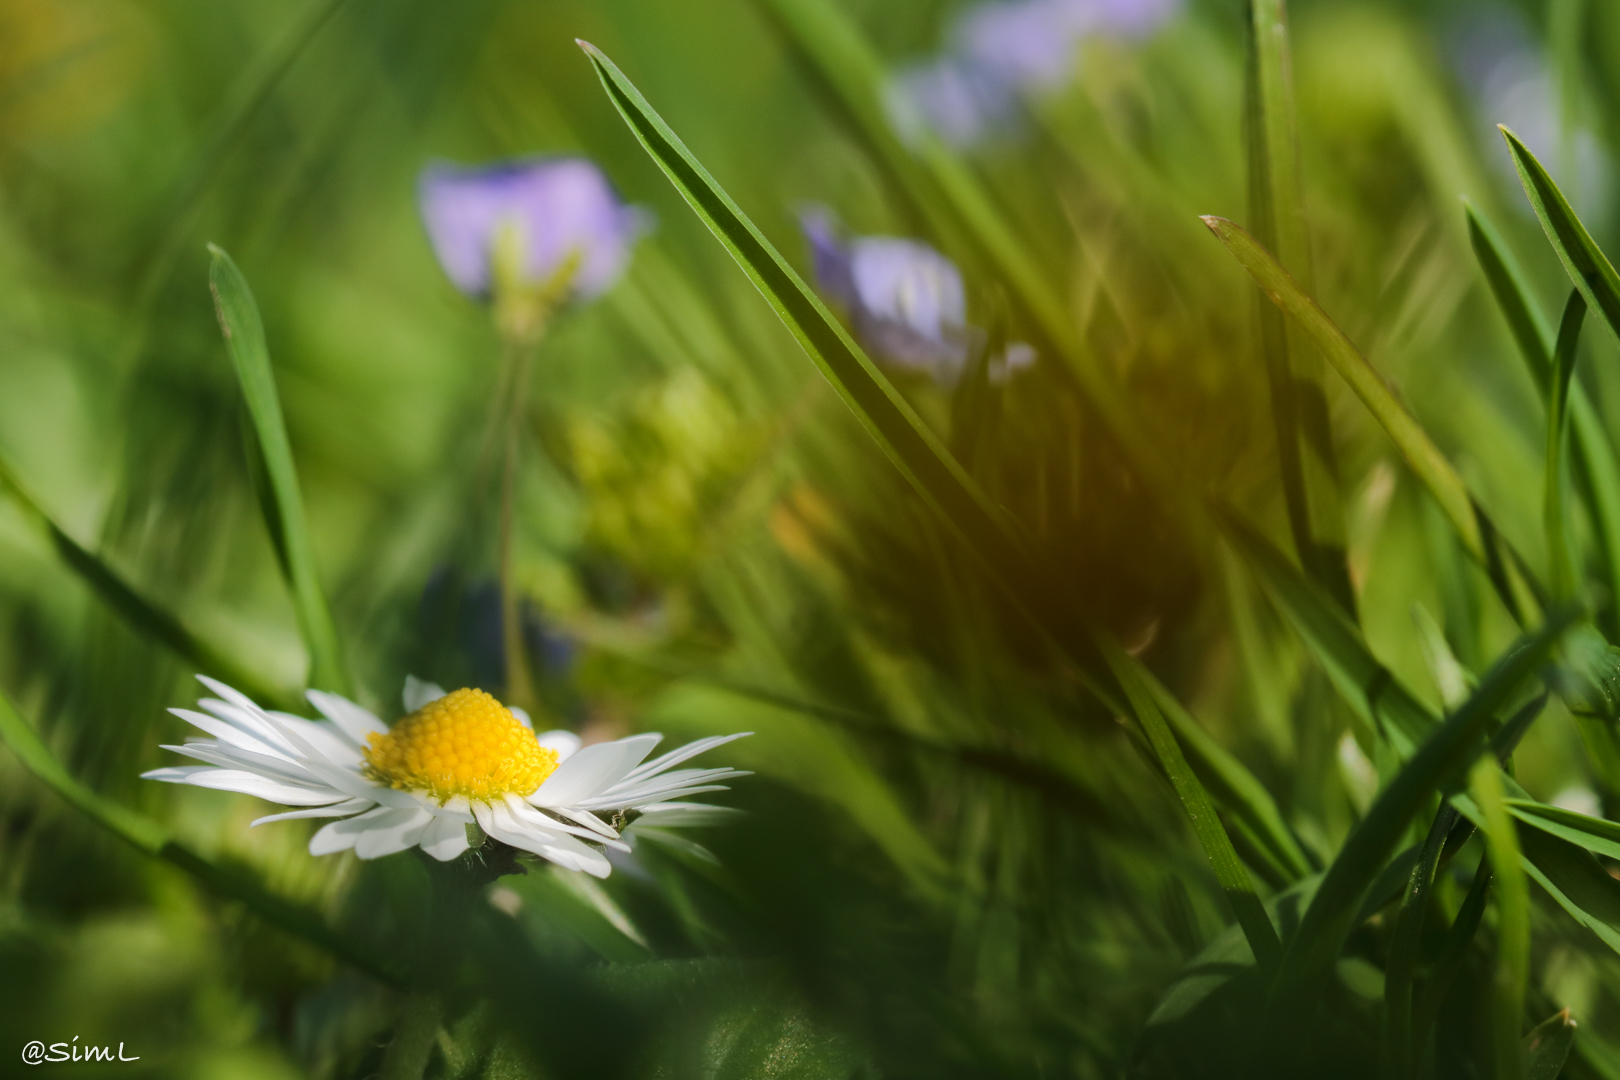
519,682
414,1037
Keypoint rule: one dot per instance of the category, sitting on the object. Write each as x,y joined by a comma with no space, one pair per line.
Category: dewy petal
392,831
445,838
349,718
593,770
564,742
419,693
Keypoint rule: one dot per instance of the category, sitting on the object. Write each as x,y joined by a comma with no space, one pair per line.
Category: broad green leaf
1589,269
1422,456
1451,678
1560,549
152,839
1547,1046
909,444
143,615
1313,950
1366,685
1511,977
244,338
1597,467
1277,216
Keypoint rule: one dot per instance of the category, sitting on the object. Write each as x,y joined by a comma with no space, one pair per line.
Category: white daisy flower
452,760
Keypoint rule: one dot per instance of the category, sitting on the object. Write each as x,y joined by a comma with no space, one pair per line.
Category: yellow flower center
466,744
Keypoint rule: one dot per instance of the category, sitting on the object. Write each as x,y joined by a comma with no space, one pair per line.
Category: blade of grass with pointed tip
1594,834
1511,977
1309,470
1596,465
1422,456
152,839
239,321
1310,955
1589,269
1406,943
142,614
1560,550
908,443
1366,685
1547,1046
1229,871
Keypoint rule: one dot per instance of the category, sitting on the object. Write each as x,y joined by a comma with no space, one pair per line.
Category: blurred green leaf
1312,951
143,615
1593,834
244,338
1547,1046
908,442
1511,977
152,839
1310,473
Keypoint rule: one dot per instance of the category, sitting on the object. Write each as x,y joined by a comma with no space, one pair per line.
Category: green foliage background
961,856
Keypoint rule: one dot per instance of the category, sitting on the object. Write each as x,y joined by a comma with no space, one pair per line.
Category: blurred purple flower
562,208
1001,49
905,299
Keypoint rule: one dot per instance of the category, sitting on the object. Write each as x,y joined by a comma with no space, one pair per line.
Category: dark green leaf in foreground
152,839
909,444
1560,543
143,615
244,338
1311,954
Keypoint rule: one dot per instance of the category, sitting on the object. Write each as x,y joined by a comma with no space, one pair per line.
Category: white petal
529,816
445,838
419,693
522,716
231,757
662,815
392,832
249,783
593,770
341,835
330,742
564,742
348,806
239,729
690,750
499,822
350,718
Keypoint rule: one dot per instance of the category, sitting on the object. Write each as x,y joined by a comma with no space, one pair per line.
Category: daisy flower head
453,760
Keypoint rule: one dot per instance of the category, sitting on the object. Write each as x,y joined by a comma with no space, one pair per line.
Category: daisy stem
414,1037
519,682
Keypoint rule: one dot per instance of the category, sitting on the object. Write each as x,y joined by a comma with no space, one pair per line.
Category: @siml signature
37,1053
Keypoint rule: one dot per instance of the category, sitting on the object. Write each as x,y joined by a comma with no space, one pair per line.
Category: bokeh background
954,862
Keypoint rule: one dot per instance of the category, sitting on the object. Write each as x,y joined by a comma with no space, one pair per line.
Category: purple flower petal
562,206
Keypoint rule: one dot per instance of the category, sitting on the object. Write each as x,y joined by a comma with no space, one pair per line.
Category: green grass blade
1277,214
1453,951
152,839
1560,550
1597,468
1314,948
920,457
1422,456
143,615
1406,944
1594,834
244,338
1229,871
1511,977
1547,1046
1366,685
1589,269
